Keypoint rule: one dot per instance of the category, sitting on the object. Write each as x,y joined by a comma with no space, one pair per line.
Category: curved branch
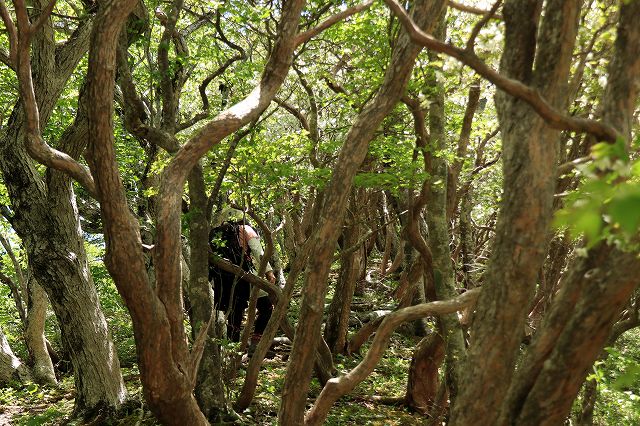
307,35
44,154
337,387
515,88
295,112
173,177
205,83
35,144
135,111
12,32
470,9
481,23
273,290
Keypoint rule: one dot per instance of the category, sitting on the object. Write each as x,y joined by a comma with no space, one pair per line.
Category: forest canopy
290,212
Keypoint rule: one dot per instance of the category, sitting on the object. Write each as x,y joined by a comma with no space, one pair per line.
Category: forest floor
31,405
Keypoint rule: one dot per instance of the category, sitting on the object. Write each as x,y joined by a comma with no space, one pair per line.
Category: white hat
232,215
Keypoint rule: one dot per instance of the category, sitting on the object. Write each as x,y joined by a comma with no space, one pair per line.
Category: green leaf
589,223
625,210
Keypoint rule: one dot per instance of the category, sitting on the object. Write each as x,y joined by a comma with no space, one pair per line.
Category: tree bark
530,152
11,368
593,294
424,381
47,221
209,389
437,214
351,156
167,367
337,322
597,286
42,368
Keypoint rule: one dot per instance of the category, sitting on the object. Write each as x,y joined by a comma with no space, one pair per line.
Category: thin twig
307,35
470,9
478,27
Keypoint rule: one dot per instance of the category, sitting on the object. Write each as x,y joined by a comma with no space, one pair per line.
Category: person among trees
236,241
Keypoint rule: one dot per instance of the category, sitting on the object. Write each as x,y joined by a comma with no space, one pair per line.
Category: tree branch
515,88
295,112
470,9
307,35
481,23
337,387
35,144
43,17
13,34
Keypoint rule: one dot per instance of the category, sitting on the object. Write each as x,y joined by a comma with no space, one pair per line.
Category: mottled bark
574,332
166,370
596,287
331,213
11,368
437,211
35,340
530,152
209,389
337,322
47,220
167,367
424,381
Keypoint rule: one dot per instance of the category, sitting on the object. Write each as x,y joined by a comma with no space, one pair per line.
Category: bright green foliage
618,379
607,203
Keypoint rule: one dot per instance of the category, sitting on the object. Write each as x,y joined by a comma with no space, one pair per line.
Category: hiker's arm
253,241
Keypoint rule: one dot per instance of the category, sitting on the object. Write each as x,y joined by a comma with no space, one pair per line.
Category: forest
438,203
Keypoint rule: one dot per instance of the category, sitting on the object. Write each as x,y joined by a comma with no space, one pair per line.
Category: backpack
225,242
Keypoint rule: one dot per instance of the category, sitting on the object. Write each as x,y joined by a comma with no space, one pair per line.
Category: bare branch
307,35
205,83
35,144
50,157
470,9
478,27
337,387
569,165
22,17
44,15
515,88
224,38
13,34
272,289
135,114
295,112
